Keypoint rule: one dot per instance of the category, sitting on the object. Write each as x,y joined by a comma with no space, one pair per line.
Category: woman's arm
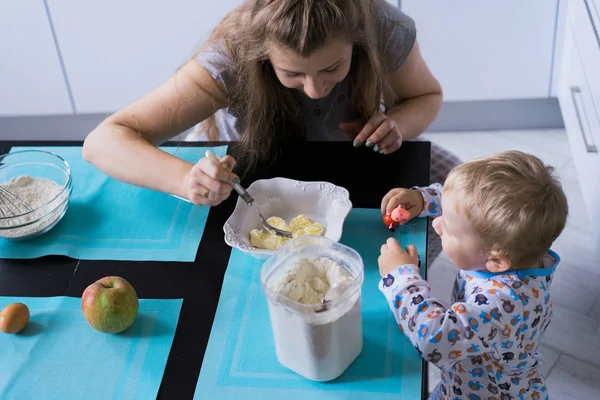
124,145
419,96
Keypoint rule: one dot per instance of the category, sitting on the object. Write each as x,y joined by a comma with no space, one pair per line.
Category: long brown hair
266,111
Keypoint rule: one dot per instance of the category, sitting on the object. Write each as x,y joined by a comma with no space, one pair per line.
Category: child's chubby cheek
437,225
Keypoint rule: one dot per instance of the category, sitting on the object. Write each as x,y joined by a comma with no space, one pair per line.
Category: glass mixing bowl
18,222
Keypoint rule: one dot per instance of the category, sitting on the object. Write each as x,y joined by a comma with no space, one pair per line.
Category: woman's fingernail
236,181
357,143
376,148
381,152
226,165
369,143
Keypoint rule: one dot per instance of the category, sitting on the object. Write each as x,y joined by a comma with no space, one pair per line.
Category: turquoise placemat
110,220
60,356
240,360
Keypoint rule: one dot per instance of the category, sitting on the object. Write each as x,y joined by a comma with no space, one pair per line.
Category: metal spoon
250,201
332,293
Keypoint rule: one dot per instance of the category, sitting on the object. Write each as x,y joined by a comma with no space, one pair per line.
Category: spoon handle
238,188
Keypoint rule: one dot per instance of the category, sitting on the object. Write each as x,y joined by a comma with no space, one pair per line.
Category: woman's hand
411,200
209,183
381,132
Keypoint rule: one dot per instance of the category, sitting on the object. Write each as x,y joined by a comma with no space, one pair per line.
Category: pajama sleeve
445,336
432,199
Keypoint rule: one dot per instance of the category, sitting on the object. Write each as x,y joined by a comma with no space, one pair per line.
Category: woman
274,71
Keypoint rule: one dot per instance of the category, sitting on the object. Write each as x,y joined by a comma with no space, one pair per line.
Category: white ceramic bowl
323,202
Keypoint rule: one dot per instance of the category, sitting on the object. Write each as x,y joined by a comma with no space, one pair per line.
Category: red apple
110,304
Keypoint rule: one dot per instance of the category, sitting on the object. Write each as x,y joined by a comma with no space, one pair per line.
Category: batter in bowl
300,225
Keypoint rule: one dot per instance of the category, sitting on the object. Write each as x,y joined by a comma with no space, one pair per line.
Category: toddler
500,216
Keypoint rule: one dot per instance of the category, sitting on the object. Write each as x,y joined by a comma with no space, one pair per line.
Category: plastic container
319,345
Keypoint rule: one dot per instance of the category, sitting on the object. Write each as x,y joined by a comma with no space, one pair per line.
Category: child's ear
496,262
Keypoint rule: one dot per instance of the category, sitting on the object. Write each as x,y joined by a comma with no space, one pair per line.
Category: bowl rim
64,188
301,309
264,253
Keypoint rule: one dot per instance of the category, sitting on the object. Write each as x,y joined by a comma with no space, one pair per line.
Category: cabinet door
595,5
486,50
584,21
581,121
117,51
31,79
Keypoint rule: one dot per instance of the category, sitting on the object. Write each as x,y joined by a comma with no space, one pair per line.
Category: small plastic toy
394,219
389,222
399,214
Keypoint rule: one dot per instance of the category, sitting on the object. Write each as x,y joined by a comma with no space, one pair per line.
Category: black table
367,176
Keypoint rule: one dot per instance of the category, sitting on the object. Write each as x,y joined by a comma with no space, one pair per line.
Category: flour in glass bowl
35,193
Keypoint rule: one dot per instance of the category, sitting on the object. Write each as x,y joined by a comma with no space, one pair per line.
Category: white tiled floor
571,346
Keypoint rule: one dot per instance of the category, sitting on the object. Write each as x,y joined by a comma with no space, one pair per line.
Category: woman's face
316,75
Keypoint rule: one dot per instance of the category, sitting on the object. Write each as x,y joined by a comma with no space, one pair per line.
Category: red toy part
400,214
389,222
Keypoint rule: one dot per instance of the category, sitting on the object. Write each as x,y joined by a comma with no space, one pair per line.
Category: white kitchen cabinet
31,80
117,51
584,21
487,50
581,109
595,5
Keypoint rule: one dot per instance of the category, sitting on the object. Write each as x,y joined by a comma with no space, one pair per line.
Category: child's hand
412,200
392,256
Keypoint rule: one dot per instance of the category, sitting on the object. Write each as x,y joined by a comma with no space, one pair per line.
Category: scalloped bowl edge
233,237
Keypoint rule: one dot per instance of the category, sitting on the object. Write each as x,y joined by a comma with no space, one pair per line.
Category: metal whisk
11,205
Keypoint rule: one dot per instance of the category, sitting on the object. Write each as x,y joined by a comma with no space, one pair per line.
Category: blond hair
515,203
266,111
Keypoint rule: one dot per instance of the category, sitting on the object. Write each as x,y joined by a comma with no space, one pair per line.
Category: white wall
487,50
116,51
31,81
